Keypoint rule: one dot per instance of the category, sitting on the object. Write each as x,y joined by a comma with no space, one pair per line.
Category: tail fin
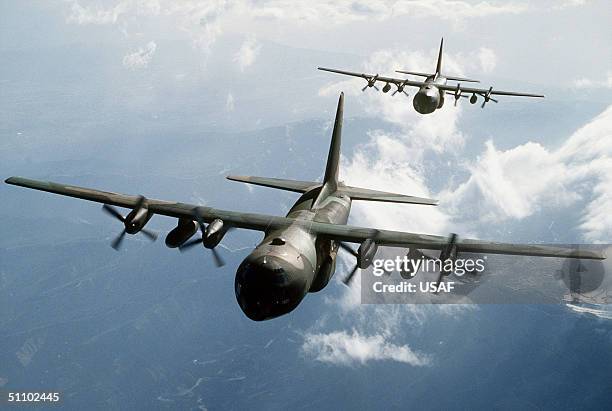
439,64
333,158
330,181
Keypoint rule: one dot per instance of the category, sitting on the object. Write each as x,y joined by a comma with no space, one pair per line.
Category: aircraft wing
263,222
396,81
484,91
445,87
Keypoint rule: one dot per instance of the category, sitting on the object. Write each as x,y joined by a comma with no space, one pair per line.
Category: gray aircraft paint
432,90
293,259
298,252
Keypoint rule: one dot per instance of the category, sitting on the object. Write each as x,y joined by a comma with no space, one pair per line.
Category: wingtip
10,180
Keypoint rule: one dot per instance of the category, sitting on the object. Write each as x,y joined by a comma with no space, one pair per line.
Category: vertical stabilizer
333,158
439,65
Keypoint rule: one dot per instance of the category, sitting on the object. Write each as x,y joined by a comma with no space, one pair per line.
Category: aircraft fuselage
290,262
429,98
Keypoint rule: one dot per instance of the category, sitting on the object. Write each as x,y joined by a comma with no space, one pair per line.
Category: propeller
487,97
347,280
400,89
457,93
130,223
448,252
219,261
371,83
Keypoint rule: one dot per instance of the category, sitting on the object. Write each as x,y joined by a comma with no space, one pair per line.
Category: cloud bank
342,348
141,57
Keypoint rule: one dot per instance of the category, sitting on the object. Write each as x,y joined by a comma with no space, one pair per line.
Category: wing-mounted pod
184,230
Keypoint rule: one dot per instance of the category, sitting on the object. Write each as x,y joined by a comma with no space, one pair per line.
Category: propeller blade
483,103
394,93
112,211
189,244
348,249
116,243
151,235
219,262
407,95
364,87
374,85
347,280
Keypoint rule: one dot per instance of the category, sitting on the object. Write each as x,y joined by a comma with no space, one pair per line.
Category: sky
97,91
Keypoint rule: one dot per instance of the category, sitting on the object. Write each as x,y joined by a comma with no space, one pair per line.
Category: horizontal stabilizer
373,195
414,73
455,78
288,185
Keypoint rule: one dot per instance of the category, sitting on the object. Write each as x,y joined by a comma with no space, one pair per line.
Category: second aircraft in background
433,90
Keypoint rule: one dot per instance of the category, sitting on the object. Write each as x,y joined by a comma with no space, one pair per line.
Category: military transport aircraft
298,252
433,90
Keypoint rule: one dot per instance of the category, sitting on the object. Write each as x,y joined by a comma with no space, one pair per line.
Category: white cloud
567,4
248,53
323,13
511,184
590,83
96,15
487,59
141,57
342,348
205,21
456,10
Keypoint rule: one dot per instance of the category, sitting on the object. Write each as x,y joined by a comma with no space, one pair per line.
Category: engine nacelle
136,219
365,253
185,229
473,99
386,88
414,254
214,233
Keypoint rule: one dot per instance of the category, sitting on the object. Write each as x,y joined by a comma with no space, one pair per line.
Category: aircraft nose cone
425,101
265,288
